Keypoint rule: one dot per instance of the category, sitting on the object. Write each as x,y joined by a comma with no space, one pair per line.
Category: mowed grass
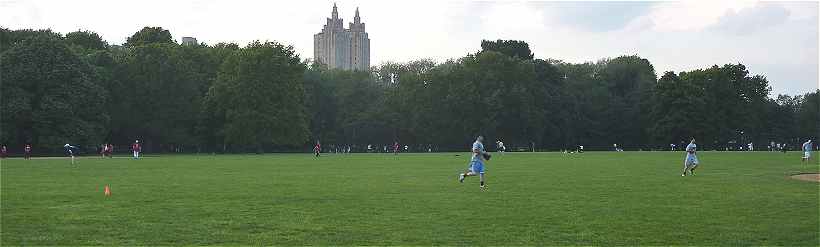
595,198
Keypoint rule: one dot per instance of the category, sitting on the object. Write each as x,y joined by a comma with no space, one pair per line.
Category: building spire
335,13
356,18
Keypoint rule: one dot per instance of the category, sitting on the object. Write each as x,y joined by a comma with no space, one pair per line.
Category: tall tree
259,93
86,40
49,95
512,48
149,35
158,95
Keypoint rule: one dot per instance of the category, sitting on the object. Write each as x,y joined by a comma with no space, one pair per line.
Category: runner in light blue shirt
476,162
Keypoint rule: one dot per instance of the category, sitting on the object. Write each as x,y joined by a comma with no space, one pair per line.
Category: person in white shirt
691,160
806,151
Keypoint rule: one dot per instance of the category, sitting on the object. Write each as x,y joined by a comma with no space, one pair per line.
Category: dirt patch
813,177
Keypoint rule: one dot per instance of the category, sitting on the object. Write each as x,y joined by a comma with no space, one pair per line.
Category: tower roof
356,18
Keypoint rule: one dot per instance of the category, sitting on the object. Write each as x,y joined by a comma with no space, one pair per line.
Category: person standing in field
691,161
109,150
476,163
806,152
396,148
3,152
317,149
106,152
70,151
137,148
27,151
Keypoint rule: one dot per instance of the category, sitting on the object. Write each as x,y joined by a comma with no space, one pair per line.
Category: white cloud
693,15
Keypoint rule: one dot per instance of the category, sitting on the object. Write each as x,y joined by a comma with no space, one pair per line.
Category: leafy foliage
79,89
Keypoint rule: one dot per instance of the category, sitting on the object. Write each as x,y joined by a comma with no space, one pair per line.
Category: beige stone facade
341,48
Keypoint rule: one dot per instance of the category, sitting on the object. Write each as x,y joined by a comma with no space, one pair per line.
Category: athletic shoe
461,177
483,187
683,175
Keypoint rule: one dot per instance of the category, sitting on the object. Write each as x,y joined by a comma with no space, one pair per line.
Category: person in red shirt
136,148
3,152
317,149
395,148
27,152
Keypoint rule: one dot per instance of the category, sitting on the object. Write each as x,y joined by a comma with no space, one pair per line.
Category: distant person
691,161
673,146
110,150
70,151
395,148
784,148
806,151
136,148
27,151
3,152
580,148
317,149
476,163
107,149
500,146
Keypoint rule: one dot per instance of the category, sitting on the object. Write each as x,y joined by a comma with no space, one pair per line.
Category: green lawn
595,198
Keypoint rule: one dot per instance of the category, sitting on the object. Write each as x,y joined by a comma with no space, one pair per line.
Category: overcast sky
776,39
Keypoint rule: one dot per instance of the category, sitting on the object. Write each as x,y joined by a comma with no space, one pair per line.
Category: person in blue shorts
476,163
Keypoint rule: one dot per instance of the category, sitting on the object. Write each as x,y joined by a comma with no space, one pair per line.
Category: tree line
262,97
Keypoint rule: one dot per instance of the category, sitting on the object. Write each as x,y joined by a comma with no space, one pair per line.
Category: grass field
595,198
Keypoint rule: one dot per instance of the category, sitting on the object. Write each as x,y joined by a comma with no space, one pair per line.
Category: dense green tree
223,97
158,94
9,37
86,40
49,95
259,93
808,117
149,35
512,48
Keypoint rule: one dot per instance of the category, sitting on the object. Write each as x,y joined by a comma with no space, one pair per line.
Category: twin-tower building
340,48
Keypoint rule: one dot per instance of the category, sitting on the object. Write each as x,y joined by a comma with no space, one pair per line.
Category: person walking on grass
691,161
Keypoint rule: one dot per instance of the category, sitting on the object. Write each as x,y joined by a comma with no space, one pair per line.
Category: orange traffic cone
107,190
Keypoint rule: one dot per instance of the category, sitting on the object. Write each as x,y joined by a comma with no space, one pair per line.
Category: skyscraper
341,48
